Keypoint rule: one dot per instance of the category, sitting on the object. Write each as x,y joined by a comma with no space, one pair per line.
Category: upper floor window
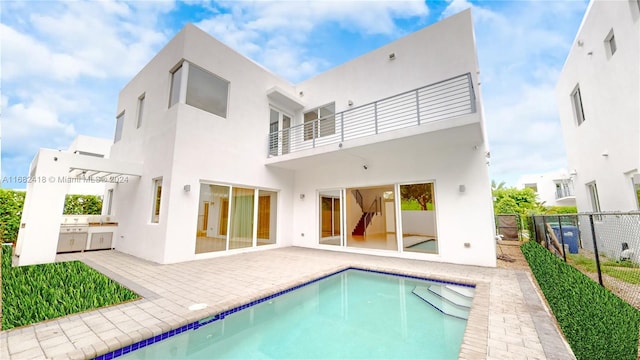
320,122
119,126
532,186
635,182
140,110
576,100
176,84
204,90
610,43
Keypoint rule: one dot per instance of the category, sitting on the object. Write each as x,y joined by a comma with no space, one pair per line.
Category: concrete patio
508,319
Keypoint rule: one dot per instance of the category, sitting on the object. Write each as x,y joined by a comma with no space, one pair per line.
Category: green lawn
36,293
622,270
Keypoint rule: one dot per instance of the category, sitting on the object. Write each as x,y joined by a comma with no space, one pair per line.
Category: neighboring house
598,97
553,188
214,155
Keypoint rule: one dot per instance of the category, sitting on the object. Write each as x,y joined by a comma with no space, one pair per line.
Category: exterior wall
461,217
88,144
187,146
546,184
605,148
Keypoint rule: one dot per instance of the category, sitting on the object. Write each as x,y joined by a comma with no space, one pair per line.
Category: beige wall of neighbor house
598,96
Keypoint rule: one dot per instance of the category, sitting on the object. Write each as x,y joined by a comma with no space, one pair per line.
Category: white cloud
276,33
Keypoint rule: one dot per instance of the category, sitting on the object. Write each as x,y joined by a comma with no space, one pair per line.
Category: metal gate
508,226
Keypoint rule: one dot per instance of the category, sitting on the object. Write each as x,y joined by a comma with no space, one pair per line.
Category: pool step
445,300
453,294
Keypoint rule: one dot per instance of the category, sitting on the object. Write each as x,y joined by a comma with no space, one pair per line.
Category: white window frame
119,127
576,104
109,202
140,113
610,44
157,200
592,190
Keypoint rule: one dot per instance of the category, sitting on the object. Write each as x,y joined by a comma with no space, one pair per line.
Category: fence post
595,249
564,253
546,240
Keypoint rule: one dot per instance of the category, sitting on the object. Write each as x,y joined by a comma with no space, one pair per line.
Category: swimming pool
351,314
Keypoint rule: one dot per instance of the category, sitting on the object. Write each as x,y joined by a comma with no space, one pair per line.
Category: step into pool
351,314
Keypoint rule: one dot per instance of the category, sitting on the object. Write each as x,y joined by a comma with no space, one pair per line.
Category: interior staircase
364,221
451,300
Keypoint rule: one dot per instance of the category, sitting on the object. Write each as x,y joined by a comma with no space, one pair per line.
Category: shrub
12,202
36,293
596,323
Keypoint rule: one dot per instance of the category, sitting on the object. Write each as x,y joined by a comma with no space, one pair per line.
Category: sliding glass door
229,218
330,217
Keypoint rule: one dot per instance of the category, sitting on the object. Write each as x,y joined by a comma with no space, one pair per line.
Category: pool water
353,314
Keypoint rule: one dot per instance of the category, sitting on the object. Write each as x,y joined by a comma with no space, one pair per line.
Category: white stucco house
598,96
214,155
554,188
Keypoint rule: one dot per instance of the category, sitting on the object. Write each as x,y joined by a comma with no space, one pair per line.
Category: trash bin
570,233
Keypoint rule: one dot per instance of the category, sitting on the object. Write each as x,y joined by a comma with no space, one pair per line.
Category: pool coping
475,338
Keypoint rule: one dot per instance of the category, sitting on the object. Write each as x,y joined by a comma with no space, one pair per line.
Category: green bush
596,323
36,293
12,202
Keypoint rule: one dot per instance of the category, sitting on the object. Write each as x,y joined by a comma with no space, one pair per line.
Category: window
533,187
206,91
109,201
635,181
119,126
576,100
320,122
157,194
610,43
176,79
140,110
279,132
592,189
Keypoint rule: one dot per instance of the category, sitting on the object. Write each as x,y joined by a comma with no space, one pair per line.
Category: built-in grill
74,232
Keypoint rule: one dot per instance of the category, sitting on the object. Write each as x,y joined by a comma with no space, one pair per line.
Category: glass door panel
213,215
241,224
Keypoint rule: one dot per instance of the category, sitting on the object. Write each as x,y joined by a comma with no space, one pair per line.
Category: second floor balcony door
279,139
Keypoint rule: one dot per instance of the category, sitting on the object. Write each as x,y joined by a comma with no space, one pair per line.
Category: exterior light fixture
301,196
350,102
187,188
392,56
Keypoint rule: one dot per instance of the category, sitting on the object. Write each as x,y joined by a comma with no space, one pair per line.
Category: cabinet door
65,243
101,240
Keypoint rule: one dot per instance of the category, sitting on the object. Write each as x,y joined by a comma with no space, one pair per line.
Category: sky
63,63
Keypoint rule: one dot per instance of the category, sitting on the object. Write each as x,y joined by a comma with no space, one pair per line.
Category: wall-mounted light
573,172
605,153
187,188
365,166
462,188
350,102
392,56
590,53
301,93
301,196
580,43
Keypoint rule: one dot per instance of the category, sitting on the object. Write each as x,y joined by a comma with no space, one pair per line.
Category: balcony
442,100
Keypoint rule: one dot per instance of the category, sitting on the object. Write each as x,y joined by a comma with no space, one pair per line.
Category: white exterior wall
546,184
186,146
610,90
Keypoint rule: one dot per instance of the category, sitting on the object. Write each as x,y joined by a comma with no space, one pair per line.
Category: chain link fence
604,246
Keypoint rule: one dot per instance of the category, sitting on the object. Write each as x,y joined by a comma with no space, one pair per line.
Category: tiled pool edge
471,349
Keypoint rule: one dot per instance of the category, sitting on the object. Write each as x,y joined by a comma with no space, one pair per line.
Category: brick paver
504,322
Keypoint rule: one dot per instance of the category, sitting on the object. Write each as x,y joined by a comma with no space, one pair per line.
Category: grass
36,293
596,323
622,270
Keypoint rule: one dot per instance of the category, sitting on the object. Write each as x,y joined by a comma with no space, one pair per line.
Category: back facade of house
384,155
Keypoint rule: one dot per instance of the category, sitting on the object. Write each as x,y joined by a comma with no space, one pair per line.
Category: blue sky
64,62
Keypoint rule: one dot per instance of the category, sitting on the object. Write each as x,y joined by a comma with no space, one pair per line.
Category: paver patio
508,320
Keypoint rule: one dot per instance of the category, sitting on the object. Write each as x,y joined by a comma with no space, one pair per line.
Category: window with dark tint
207,92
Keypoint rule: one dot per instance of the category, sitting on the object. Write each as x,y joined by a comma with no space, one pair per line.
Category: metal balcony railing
438,101
563,193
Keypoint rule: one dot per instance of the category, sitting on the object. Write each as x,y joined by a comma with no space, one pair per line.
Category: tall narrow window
635,181
119,126
610,43
176,79
109,201
418,216
576,100
140,110
593,195
157,194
